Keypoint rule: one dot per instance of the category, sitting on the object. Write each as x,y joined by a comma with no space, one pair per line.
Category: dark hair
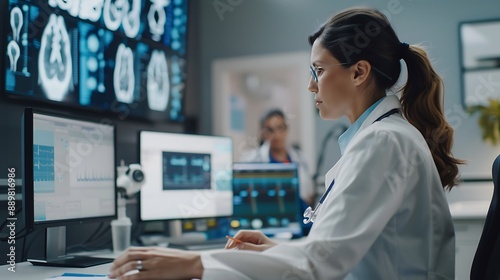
275,112
365,34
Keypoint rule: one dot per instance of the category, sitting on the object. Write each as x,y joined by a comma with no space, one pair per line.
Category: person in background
275,148
384,214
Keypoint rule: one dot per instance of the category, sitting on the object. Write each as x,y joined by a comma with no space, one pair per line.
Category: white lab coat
385,218
261,154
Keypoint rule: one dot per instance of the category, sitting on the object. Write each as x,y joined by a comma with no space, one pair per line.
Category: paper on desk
79,276
84,276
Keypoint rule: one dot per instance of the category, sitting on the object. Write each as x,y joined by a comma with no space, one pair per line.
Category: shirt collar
347,136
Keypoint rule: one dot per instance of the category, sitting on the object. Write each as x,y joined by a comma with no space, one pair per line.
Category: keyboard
72,261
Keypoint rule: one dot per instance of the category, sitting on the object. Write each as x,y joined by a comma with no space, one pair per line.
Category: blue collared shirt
347,136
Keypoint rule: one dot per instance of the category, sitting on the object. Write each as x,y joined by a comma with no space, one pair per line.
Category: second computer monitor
187,176
266,198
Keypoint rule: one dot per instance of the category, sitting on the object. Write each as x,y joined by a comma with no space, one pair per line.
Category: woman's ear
361,72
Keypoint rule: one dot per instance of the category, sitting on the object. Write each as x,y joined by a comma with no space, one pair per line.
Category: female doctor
385,215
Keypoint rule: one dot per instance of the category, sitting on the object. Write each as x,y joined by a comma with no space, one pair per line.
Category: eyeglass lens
313,74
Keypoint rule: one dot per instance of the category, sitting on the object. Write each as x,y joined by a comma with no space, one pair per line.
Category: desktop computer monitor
187,176
266,198
69,178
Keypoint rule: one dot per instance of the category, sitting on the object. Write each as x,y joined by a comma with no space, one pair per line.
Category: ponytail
421,101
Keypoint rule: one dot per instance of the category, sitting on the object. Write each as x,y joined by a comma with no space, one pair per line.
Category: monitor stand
175,229
55,252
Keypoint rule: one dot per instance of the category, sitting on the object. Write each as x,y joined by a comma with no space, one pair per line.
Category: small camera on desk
130,179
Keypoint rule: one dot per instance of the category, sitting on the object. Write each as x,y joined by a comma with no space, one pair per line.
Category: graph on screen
182,171
43,161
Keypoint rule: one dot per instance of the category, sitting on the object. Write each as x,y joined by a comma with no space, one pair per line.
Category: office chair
486,263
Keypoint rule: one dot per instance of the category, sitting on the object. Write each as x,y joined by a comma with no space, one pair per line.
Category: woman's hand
252,240
157,263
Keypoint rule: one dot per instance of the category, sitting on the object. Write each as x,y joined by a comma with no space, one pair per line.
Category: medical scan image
13,50
158,85
55,61
123,76
157,18
125,57
118,13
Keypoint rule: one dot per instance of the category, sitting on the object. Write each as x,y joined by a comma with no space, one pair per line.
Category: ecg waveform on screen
93,176
183,178
94,169
183,171
264,193
43,163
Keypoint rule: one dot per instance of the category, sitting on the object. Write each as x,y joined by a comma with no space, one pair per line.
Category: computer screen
69,170
127,58
266,198
187,176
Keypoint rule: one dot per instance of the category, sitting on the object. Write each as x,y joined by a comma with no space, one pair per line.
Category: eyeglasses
314,75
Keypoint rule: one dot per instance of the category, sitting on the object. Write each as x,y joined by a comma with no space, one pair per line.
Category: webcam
130,179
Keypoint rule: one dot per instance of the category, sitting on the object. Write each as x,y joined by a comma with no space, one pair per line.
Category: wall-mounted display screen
127,57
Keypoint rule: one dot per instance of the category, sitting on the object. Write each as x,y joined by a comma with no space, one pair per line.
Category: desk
27,271
469,204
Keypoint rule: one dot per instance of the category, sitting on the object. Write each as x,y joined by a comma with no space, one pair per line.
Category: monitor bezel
139,202
27,164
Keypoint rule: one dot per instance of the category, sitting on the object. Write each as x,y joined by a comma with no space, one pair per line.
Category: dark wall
98,235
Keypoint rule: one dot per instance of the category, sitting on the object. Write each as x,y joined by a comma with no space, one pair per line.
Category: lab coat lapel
389,103
332,173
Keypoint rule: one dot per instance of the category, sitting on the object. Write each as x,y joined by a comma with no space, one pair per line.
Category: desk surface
27,271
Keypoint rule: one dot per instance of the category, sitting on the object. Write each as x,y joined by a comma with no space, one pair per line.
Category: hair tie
403,49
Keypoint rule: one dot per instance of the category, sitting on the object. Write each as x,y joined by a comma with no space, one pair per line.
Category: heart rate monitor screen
126,57
183,171
266,198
